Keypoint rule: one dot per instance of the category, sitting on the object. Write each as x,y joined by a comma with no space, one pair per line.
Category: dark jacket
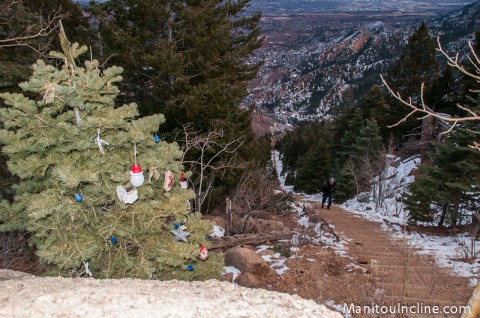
328,189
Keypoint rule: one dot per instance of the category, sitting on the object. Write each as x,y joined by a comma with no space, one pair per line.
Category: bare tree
446,120
19,29
257,191
203,154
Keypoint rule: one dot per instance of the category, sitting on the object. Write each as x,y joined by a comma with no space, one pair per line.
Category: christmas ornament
78,197
136,174
100,142
183,183
87,269
189,268
113,239
153,173
203,256
156,139
169,181
127,196
176,225
180,234
49,95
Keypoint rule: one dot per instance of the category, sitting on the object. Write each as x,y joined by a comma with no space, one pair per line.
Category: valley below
312,58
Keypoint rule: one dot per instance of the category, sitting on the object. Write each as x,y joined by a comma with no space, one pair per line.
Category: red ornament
203,256
183,177
136,169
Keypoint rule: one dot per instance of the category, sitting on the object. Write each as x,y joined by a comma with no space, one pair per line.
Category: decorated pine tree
99,190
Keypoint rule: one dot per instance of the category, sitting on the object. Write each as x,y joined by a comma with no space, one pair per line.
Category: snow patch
231,269
391,215
393,219
217,231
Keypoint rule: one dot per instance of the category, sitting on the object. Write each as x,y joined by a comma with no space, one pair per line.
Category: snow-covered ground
389,211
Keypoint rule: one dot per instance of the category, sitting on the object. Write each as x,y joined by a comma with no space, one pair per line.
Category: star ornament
180,234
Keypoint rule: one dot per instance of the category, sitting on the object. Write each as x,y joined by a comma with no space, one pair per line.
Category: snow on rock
304,221
231,269
340,308
217,231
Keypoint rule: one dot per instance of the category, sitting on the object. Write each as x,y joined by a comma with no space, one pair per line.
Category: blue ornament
78,197
208,237
156,139
113,239
176,226
189,268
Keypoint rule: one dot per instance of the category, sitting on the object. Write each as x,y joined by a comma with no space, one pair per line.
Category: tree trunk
426,136
454,216
444,213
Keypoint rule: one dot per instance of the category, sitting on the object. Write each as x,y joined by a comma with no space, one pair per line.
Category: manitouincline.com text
419,308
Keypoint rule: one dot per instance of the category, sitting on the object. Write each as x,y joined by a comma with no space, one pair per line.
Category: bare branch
9,13
454,61
427,111
446,120
204,155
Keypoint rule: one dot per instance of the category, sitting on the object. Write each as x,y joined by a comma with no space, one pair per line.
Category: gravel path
401,275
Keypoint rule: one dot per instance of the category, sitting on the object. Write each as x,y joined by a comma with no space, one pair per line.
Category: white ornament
87,269
100,142
169,181
127,196
184,184
136,176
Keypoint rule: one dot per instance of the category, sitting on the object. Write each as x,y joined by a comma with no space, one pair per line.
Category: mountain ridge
307,69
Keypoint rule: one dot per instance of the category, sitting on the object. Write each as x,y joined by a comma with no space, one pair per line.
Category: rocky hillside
311,60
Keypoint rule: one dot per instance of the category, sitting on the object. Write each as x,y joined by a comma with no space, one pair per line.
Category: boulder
247,261
219,221
228,277
268,226
242,225
52,297
247,280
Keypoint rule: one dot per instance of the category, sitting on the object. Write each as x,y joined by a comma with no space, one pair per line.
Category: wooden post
228,217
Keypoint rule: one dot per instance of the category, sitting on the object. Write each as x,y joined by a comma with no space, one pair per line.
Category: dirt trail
400,275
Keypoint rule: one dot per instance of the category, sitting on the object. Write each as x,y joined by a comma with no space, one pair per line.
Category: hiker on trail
328,189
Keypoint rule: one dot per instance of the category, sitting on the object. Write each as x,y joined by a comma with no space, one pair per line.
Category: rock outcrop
30,296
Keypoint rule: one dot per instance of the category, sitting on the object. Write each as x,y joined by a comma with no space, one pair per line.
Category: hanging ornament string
100,142
135,152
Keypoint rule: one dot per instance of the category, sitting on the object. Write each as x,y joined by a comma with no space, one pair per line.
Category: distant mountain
275,7
311,60
84,3
456,28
